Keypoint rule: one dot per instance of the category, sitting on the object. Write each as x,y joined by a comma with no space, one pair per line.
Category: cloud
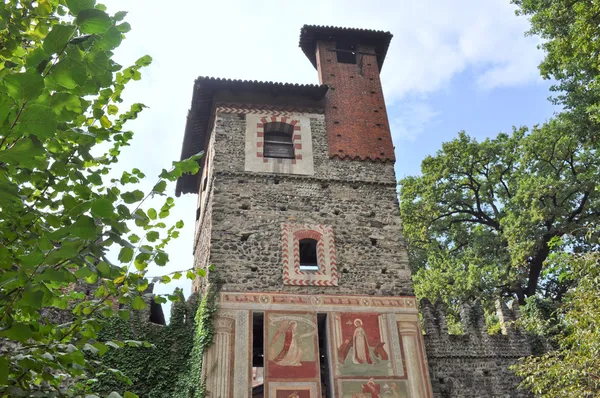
409,121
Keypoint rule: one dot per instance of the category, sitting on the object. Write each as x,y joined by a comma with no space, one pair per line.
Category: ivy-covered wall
156,372
172,368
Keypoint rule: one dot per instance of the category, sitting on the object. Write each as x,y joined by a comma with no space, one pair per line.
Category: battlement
474,364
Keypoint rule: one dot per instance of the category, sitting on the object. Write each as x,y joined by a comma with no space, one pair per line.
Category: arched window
308,255
278,140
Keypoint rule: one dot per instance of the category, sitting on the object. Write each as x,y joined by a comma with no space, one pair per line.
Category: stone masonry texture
474,364
356,198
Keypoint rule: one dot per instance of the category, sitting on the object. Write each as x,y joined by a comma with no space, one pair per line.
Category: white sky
434,41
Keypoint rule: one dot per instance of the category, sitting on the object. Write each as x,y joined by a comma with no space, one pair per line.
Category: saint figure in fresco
361,344
372,388
291,353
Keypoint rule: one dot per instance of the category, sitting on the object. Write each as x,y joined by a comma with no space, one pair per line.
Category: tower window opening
278,140
346,53
308,255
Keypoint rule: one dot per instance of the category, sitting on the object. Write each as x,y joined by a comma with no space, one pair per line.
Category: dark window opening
308,255
278,140
156,313
323,355
258,349
346,52
198,213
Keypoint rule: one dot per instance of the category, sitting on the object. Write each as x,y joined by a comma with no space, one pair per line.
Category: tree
60,210
479,219
572,369
571,31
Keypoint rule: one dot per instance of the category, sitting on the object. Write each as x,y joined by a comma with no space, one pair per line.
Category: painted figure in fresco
372,388
361,344
291,353
294,395
362,354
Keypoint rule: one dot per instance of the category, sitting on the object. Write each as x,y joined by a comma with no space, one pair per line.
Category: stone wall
474,364
356,198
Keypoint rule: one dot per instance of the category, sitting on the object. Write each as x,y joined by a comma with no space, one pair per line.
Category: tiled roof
310,34
200,114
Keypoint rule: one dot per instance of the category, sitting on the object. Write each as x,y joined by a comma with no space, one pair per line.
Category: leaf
25,154
102,207
105,122
160,186
104,268
83,272
58,38
32,298
176,275
39,120
110,39
68,73
130,395
93,21
138,303
126,254
84,228
75,6
18,331
32,259
132,196
144,61
24,86
161,258
152,213
179,224
152,236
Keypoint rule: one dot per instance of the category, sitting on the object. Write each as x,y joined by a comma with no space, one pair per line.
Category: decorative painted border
327,274
296,139
316,302
270,110
312,387
339,385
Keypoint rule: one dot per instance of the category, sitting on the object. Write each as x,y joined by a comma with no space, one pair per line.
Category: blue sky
452,65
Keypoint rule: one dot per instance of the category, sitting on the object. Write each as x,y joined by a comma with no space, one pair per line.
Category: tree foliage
481,215
570,30
572,369
61,213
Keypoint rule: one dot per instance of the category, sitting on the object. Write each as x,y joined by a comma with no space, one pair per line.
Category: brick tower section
355,112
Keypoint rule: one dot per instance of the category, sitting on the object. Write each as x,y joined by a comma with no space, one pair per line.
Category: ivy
191,384
151,370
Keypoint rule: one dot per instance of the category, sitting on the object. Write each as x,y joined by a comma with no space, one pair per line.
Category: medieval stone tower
298,214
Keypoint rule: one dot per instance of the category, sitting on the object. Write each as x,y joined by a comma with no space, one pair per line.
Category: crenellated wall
474,364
